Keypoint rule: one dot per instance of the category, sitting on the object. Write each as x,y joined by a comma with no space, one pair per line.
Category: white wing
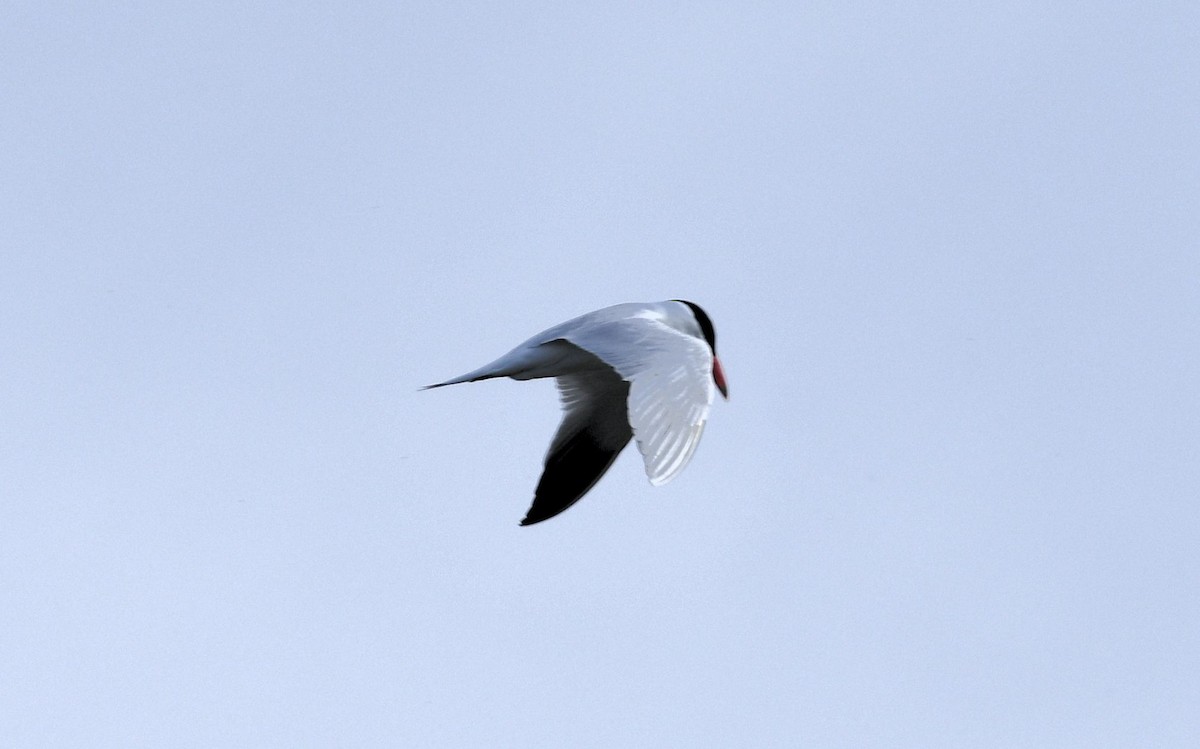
671,386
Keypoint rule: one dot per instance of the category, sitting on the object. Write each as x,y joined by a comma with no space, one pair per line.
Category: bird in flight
644,371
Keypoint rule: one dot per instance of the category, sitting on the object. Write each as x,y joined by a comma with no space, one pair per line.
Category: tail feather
469,377
526,362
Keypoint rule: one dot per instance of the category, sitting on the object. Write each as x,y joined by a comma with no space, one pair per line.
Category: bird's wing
593,431
670,387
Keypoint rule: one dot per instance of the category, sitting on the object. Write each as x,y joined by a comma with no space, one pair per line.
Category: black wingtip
571,471
542,510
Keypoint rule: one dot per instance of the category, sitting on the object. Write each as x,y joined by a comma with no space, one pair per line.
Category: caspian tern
636,370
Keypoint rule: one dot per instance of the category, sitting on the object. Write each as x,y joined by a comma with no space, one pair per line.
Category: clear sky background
952,252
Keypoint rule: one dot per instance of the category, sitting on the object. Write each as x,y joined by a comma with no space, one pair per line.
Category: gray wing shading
593,432
670,387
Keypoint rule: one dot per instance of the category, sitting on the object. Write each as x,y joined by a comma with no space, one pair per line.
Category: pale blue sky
951,252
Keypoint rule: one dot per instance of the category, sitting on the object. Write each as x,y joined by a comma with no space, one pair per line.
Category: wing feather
670,387
593,432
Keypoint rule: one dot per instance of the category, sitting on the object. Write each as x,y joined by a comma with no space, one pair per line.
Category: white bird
637,370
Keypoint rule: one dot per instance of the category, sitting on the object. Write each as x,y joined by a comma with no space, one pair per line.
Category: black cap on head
706,326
